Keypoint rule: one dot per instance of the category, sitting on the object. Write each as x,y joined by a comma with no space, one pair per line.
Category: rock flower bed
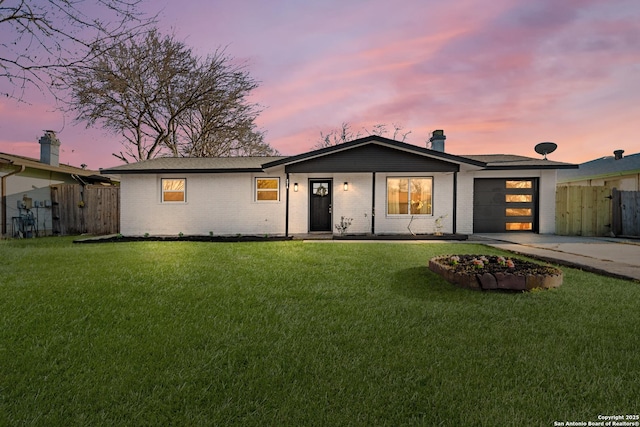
495,272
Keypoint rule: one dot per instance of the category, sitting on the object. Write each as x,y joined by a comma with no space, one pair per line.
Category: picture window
409,196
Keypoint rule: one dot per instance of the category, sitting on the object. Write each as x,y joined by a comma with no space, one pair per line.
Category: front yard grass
294,333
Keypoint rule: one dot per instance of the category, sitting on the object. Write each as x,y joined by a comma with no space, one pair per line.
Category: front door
320,205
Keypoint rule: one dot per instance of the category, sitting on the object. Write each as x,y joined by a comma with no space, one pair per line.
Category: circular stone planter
525,276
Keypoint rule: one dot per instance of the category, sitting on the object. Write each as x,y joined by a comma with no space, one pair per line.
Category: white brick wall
218,203
225,204
464,212
547,188
354,203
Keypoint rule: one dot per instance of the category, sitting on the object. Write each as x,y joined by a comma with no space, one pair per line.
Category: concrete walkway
603,255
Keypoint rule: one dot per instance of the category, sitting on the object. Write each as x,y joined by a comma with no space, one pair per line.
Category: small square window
267,189
174,190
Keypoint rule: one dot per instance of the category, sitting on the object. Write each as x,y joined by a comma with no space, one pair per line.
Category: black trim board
179,170
375,140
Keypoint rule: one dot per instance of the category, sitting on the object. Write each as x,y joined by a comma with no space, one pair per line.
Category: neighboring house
383,186
587,204
617,171
25,187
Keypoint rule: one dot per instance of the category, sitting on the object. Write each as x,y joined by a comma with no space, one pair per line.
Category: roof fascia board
529,167
181,170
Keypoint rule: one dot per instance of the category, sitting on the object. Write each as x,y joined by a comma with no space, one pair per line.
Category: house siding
356,203
224,204
219,203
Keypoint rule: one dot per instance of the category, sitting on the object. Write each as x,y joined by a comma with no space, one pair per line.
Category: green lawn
293,333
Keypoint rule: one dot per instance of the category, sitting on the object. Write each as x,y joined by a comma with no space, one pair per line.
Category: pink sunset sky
498,76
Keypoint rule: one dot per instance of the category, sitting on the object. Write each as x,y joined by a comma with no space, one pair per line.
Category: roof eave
180,170
529,167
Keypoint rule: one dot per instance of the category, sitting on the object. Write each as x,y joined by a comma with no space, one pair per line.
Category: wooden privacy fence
626,213
597,211
77,209
583,211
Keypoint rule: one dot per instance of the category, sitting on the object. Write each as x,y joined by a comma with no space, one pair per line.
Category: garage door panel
501,205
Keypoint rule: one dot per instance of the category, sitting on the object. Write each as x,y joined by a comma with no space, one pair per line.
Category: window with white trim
409,196
174,190
267,189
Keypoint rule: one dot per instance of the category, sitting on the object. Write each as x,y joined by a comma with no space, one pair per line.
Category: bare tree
345,134
337,136
40,39
164,100
381,130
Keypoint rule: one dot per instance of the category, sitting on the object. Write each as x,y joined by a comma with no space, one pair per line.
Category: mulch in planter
495,273
238,238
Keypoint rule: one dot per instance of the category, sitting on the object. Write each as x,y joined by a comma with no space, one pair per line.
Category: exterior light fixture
295,187
346,186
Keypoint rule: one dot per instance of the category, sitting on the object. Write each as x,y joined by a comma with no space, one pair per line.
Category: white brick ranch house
384,186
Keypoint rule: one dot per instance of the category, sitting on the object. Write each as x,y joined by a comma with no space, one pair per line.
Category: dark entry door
501,205
320,205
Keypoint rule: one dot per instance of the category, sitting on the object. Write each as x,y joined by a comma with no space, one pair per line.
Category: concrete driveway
603,255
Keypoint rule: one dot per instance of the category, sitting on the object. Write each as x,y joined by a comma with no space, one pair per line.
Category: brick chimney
437,140
50,148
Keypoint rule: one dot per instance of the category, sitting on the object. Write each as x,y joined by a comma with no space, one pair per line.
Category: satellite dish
545,148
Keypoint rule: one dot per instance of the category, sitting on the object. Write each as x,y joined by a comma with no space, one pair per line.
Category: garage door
501,205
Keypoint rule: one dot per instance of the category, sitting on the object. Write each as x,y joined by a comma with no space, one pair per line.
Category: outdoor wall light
346,186
295,187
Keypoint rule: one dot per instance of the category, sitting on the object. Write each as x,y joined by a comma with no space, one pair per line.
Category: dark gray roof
87,175
193,165
603,167
511,161
258,164
29,162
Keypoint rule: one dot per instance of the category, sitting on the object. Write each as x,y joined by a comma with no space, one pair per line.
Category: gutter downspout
373,204
286,214
4,197
455,201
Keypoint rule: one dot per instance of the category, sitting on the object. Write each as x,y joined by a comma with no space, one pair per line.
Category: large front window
409,196
174,190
